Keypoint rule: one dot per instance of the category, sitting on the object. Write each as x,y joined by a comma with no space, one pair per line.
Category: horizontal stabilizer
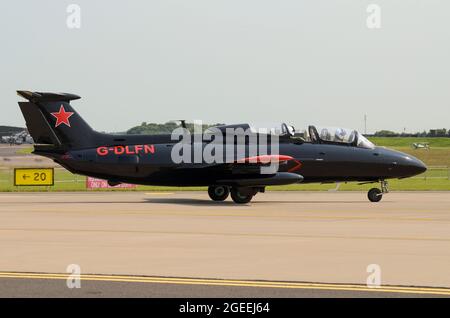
47,97
52,120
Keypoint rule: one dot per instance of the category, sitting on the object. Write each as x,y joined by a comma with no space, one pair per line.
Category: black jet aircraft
320,155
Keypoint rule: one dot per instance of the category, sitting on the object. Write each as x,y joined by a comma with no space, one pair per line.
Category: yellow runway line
234,283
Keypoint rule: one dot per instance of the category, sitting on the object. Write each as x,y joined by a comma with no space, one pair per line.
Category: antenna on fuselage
182,122
365,124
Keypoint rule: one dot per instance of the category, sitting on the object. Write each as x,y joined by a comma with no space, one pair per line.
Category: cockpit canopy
329,135
334,135
314,134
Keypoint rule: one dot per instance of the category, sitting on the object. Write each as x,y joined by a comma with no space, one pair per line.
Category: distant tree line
9,130
431,133
167,128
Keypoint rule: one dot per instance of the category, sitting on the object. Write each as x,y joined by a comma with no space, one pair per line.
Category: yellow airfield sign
34,176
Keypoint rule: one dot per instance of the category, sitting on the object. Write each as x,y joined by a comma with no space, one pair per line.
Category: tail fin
51,120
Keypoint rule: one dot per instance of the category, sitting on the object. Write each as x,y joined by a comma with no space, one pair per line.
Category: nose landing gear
375,194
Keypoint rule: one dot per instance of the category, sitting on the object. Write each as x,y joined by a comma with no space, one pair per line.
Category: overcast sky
301,62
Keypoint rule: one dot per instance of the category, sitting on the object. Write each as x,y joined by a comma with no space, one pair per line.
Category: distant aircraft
421,145
18,138
323,155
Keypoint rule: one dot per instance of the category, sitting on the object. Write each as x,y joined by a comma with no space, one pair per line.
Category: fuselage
239,160
148,160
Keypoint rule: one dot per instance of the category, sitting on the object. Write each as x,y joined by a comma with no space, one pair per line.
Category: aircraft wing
248,171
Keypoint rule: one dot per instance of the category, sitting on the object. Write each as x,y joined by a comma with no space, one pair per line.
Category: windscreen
363,142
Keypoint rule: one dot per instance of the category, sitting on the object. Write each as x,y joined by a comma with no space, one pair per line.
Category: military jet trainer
320,155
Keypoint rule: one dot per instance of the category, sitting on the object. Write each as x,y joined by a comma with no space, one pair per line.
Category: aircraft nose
413,166
420,166
400,164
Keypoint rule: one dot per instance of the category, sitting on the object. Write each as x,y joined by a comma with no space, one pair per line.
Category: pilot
340,135
325,134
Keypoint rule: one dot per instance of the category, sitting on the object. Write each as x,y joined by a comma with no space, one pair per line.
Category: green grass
24,151
441,142
64,181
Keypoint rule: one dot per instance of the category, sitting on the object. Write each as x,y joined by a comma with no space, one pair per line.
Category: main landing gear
375,194
242,195
218,193
238,195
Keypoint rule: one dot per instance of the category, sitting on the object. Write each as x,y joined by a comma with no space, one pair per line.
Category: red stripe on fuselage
265,159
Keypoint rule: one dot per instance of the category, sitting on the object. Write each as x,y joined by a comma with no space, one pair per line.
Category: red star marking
62,117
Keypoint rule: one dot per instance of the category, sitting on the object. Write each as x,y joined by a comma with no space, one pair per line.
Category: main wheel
240,196
218,193
375,195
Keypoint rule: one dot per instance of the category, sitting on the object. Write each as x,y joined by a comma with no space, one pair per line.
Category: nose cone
398,164
416,166
409,166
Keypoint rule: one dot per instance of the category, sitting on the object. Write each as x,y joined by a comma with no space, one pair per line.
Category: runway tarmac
280,237
55,285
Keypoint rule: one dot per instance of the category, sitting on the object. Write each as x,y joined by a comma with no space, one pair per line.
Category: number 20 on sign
33,177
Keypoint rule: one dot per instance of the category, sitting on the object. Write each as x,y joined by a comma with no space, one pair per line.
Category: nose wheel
375,194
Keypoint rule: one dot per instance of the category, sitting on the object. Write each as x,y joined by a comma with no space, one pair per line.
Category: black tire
375,195
218,193
240,197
